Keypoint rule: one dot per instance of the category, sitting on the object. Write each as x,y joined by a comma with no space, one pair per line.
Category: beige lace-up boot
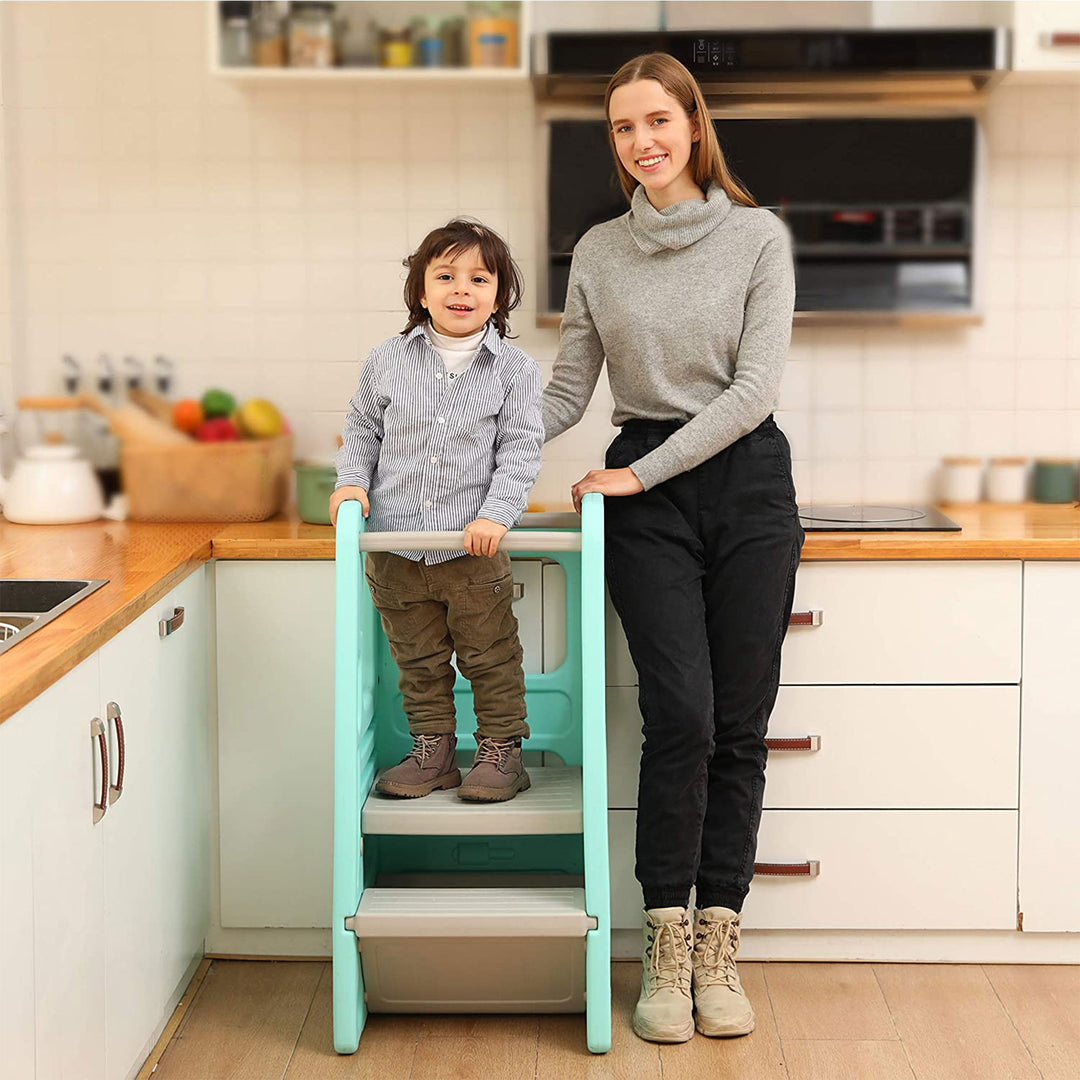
665,1009
722,1007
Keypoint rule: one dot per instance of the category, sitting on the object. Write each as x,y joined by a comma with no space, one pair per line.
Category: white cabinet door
68,858
157,832
1049,747
275,662
906,622
136,845
183,783
17,785
1046,36
878,747
874,870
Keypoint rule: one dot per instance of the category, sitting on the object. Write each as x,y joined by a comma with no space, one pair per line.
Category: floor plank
757,1056
244,1023
952,1024
386,1046
1044,1003
563,1053
826,1059
828,1001
471,1058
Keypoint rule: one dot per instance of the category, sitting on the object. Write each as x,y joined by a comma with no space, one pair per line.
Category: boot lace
493,751
717,943
423,747
669,948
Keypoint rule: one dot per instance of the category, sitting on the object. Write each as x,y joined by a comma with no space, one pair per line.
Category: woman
689,296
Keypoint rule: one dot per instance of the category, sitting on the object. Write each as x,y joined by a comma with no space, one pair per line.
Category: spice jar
235,43
311,34
493,32
395,47
1006,480
268,35
427,33
961,479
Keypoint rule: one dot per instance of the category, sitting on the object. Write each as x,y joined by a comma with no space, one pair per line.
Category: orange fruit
187,415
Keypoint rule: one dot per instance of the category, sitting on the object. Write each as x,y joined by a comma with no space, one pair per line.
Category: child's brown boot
429,765
497,773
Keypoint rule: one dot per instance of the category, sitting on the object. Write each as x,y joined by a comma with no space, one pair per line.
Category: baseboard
898,946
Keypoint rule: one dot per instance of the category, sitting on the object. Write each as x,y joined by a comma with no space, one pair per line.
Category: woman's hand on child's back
482,536
344,494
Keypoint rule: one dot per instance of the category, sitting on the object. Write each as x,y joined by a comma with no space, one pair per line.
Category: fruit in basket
216,429
217,403
259,419
187,415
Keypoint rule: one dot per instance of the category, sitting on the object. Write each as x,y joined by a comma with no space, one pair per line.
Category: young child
444,433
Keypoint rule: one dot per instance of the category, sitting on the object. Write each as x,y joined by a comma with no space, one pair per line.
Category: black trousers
701,571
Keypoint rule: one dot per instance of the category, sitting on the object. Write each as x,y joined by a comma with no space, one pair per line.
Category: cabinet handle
112,712
804,742
1060,37
519,590
810,868
97,731
170,626
806,618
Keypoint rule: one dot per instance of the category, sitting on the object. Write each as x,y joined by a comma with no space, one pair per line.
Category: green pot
314,486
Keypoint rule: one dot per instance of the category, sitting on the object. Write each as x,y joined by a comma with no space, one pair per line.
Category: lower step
472,913
473,950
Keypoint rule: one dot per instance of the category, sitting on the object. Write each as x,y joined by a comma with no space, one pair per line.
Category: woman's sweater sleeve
759,366
579,360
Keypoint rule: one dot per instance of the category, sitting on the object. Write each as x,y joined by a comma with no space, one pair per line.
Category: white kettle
52,485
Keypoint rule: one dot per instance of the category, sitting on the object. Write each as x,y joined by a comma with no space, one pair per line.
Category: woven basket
247,480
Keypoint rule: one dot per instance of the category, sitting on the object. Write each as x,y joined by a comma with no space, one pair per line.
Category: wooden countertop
143,562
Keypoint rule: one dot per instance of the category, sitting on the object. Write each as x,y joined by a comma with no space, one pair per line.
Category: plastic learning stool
446,906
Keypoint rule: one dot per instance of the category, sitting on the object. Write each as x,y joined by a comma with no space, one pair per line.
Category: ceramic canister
1055,480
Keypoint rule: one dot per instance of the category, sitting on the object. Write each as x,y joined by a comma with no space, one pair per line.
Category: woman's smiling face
653,137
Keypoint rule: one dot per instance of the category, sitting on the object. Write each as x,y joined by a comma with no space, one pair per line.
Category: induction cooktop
875,518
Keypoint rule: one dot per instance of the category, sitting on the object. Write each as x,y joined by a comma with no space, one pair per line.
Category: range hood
947,67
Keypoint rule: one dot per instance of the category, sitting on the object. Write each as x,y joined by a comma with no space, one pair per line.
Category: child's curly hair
454,237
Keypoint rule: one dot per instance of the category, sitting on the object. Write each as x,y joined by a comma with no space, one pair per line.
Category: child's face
459,293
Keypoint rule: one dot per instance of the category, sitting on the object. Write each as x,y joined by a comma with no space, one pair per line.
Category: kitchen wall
254,234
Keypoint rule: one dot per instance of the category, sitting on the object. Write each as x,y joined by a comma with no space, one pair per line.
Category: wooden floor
266,1021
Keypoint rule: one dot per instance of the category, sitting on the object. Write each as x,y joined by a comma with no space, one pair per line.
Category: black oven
880,208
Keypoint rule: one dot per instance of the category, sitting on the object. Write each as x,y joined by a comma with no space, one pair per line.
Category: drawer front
906,622
878,747
879,870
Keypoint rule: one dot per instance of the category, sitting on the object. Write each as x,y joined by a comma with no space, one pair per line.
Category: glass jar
493,33
427,34
395,47
311,34
236,44
268,34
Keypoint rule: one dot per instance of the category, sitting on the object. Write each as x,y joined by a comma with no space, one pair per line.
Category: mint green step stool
446,906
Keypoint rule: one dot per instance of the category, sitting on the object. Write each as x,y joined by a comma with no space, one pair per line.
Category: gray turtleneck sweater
691,306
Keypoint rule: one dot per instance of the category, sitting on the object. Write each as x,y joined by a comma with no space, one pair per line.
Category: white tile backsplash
255,233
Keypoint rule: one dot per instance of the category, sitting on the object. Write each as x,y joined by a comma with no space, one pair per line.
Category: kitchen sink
27,604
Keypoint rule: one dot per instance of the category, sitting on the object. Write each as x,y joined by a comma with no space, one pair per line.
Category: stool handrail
514,540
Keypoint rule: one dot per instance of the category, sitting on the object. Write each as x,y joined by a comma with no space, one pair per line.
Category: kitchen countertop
143,562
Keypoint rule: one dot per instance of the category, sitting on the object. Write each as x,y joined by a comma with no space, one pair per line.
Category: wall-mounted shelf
400,75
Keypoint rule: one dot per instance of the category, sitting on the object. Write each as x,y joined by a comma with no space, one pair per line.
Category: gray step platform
471,913
552,805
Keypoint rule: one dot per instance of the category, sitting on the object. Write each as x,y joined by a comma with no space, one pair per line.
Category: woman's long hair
707,164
